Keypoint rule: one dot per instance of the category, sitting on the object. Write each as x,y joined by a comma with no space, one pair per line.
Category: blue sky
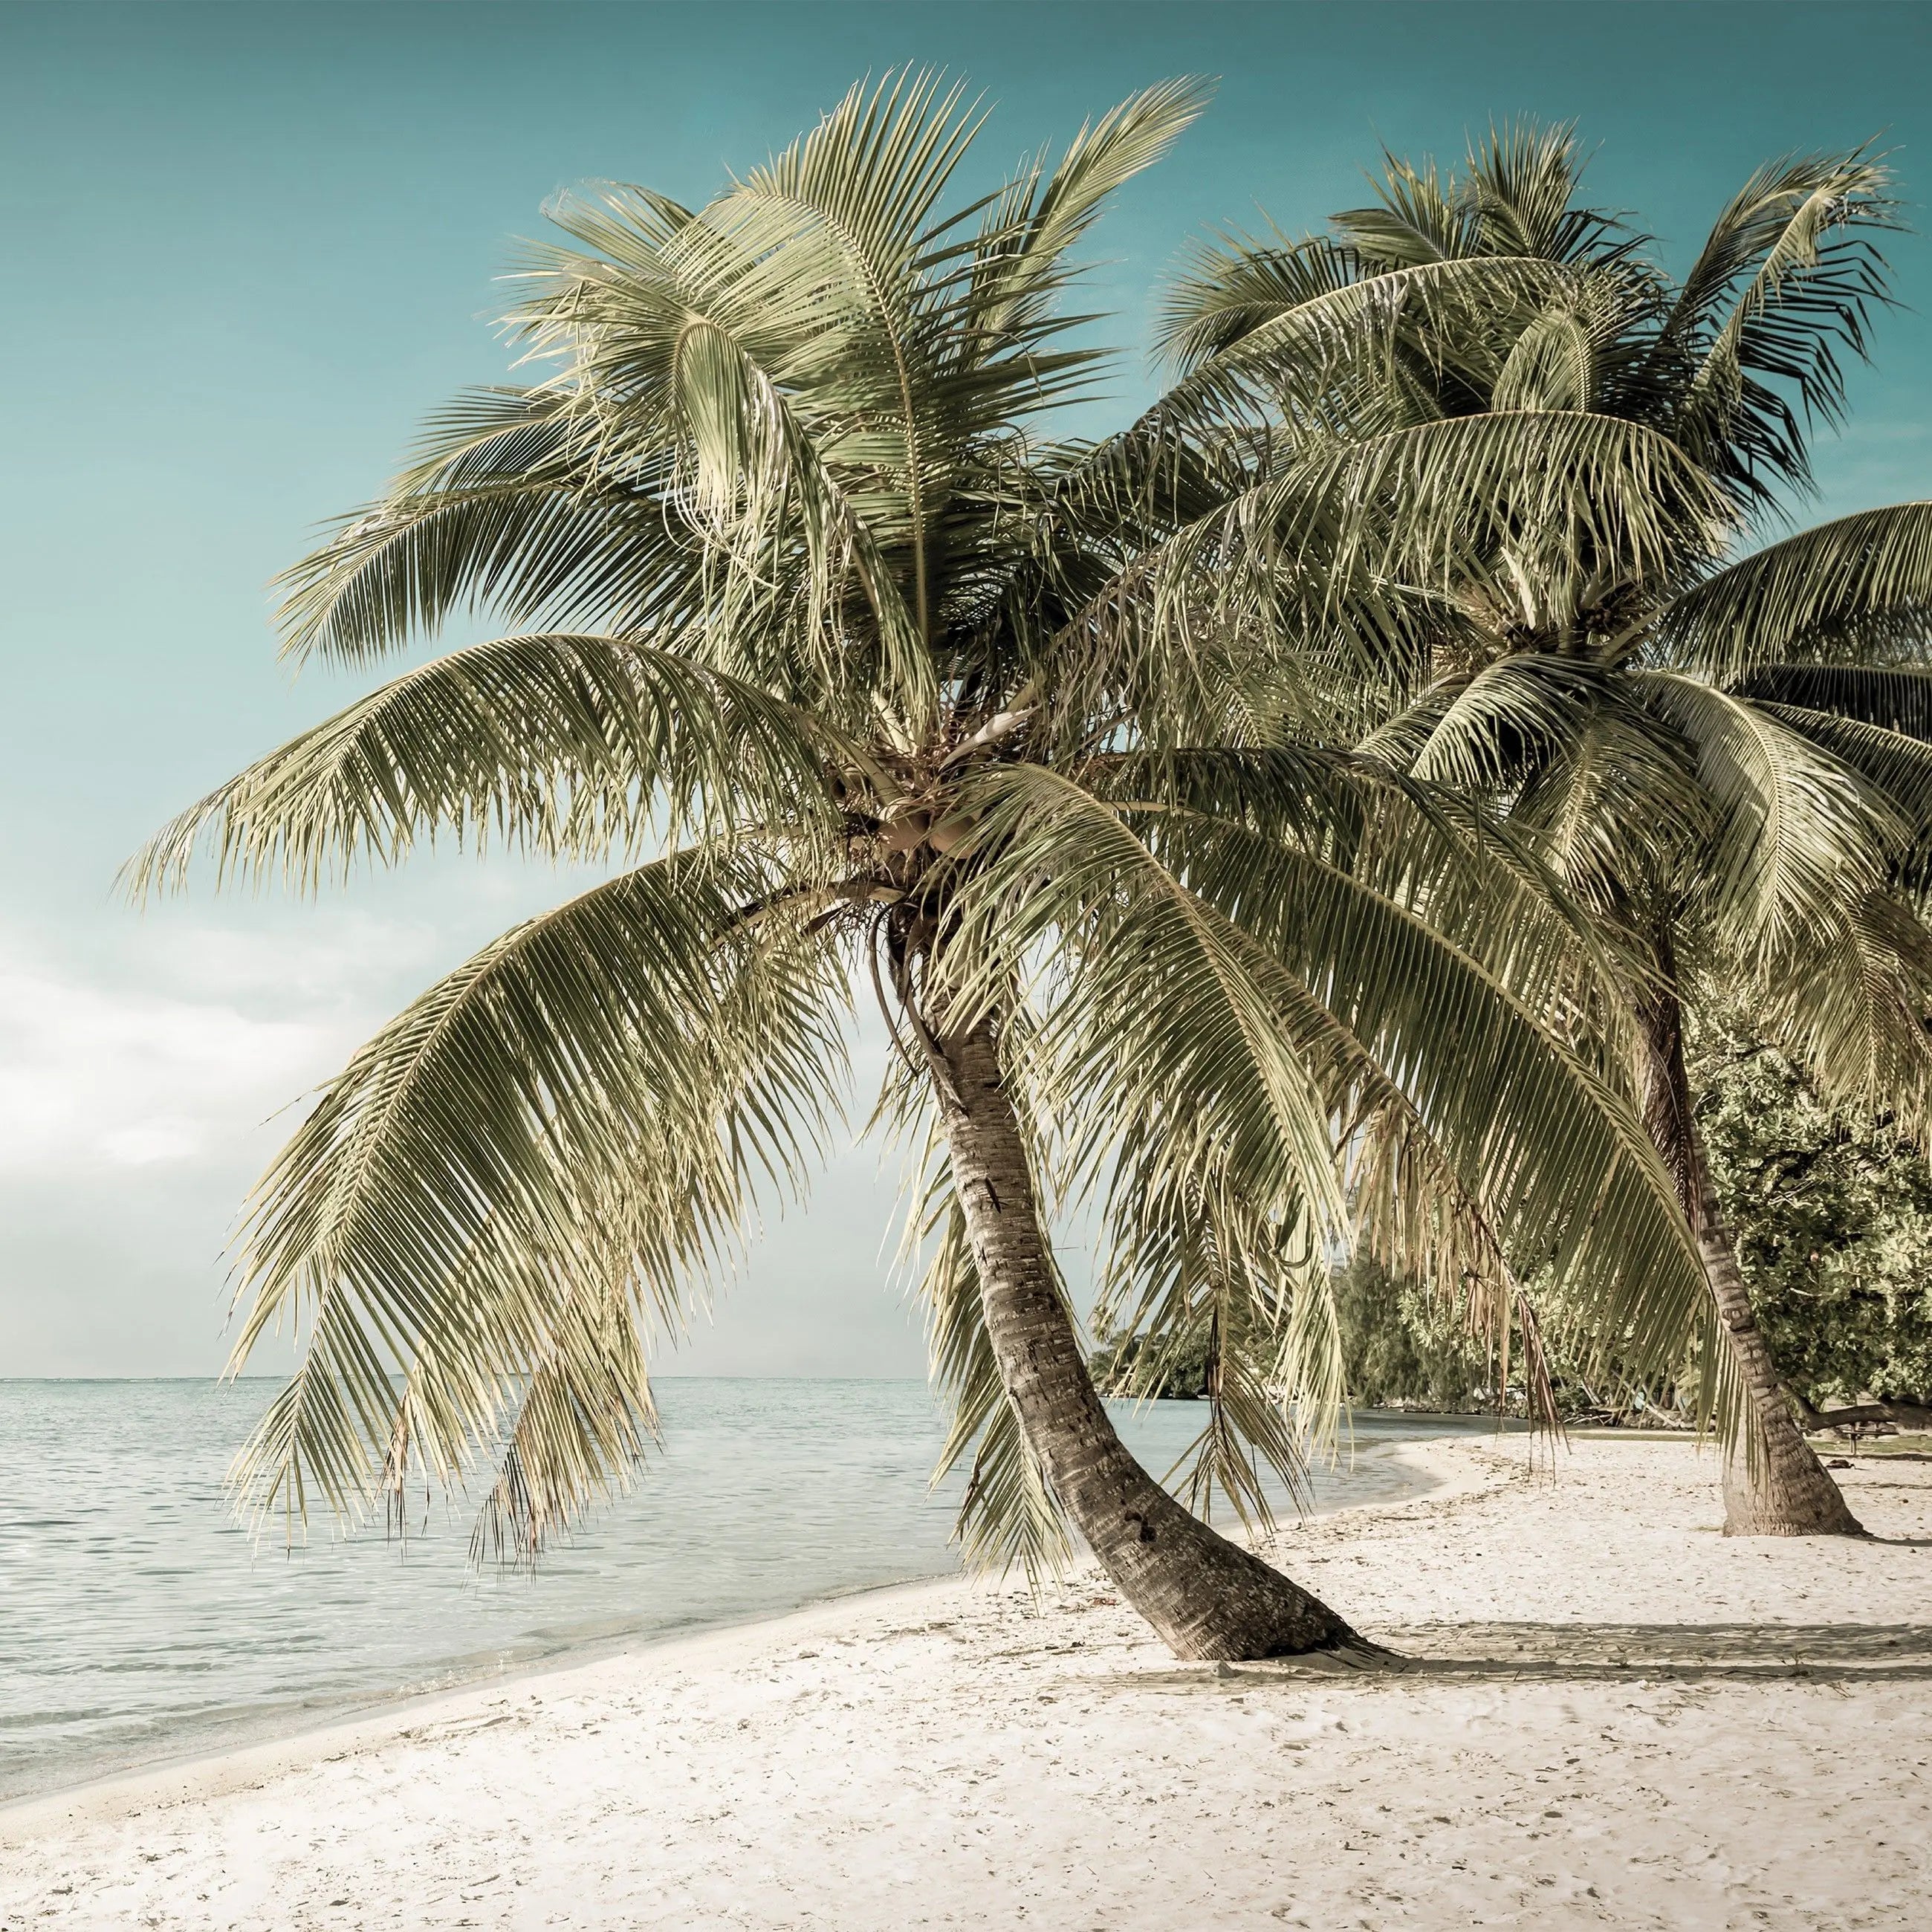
249,245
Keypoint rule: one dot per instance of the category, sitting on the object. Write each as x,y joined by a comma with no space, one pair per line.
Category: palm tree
842,665
1723,749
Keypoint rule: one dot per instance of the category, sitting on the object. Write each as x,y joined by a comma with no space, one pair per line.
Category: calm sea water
138,1623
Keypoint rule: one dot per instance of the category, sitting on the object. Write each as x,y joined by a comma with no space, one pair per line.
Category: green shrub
1832,1209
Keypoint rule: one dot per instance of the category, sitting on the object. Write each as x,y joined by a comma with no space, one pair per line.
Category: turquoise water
138,1623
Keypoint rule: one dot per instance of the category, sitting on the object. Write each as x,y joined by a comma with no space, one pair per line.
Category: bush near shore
1832,1208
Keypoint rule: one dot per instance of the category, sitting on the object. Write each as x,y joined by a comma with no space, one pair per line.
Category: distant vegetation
1832,1209
1398,1348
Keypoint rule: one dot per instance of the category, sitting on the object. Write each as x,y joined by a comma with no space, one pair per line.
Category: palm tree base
1209,1601
1785,1496
1774,1484
1234,1609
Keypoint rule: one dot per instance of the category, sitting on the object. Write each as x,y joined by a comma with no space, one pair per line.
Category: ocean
139,1623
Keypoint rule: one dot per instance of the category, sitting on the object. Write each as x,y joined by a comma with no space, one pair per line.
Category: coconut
903,834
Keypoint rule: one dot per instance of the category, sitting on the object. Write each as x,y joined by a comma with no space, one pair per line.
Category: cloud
145,1082
146,1079
168,1039
96,1073
113,1064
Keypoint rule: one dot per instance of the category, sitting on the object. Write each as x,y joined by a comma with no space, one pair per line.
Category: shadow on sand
1820,1653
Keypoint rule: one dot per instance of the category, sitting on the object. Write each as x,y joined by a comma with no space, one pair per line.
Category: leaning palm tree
840,665
1723,749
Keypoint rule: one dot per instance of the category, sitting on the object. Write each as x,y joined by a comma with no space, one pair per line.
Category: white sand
943,1757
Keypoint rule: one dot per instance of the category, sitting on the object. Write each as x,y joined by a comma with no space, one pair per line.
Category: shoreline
201,1774
1608,1715
150,1784
262,1735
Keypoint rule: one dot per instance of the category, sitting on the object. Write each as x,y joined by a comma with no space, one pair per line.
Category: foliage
1572,450
1832,1209
1404,1348
1123,1365
855,676
1399,1348
1563,602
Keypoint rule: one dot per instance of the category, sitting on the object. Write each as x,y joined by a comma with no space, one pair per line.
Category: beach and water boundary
1610,1715
140,1625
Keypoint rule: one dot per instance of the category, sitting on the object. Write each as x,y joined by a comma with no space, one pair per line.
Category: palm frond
1523,178
1520,507
1189,1261
579,1427
587,1101
1229,289
1262,969
1859,586
1852,1009
1786,280
1893,697
1896,764
1509,719
1515,195
569,746
1419,214
1616,811
545,549
1022,260
1295,329
1798,832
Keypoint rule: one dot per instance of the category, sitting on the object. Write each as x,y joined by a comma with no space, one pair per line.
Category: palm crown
1723,753
858,679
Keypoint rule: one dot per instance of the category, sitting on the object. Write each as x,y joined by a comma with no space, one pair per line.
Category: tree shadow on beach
1828,1653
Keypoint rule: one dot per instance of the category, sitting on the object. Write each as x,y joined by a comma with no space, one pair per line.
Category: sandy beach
1617,1718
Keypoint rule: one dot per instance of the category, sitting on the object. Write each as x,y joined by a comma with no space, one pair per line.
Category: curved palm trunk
1774,1484
1205,1597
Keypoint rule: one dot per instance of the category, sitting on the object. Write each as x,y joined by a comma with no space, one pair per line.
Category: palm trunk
1207,1597
1774,1484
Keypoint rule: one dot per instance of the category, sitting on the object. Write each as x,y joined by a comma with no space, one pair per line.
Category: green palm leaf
1860,585
1894,698
1798,830
1270,960
584,1104
570,745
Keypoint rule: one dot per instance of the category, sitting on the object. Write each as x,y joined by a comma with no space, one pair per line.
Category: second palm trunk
1774,1484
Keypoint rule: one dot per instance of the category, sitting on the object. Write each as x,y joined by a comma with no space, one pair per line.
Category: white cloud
94,1073
174,1041
144,1083
150,1067
177,1033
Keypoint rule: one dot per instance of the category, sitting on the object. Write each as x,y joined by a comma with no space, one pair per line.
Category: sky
249,246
